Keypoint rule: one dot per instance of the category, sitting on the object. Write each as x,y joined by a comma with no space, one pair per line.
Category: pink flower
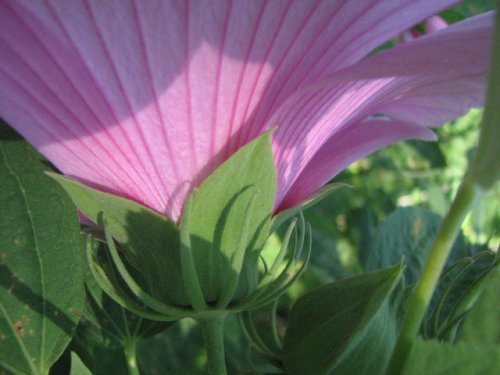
146,98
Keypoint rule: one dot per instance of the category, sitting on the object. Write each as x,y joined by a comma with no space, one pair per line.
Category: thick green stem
130,356
213,334
421,296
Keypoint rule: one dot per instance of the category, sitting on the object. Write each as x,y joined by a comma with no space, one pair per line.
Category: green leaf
347,327
226,222
179,350
41,262
77,366
482,324
101,360
430,151
467,8
407,234
438,202
150,242
435,358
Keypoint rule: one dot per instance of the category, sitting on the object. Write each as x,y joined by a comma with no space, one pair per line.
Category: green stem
421,296
130,356
213,334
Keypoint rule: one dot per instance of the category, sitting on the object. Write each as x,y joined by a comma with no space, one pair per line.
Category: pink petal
350,144
425,82
146,98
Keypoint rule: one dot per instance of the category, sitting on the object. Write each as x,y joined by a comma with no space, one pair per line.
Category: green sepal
227,224
346,327
260,327
106,323
288,265
190,277
108,277
106,328
150,241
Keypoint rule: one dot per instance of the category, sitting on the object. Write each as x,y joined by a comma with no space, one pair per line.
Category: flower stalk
213,336
131,357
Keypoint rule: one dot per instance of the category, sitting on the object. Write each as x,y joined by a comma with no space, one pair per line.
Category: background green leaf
77,366
467,8
407,235
41,262
179,350
435,358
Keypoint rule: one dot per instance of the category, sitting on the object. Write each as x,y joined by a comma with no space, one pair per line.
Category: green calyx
209,264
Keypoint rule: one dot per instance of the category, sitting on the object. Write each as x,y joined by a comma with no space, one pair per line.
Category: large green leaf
150,241
407,235
435,358
227,220
347,327
41,262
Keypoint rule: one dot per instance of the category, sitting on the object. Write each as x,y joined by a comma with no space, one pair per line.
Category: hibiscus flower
145,99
